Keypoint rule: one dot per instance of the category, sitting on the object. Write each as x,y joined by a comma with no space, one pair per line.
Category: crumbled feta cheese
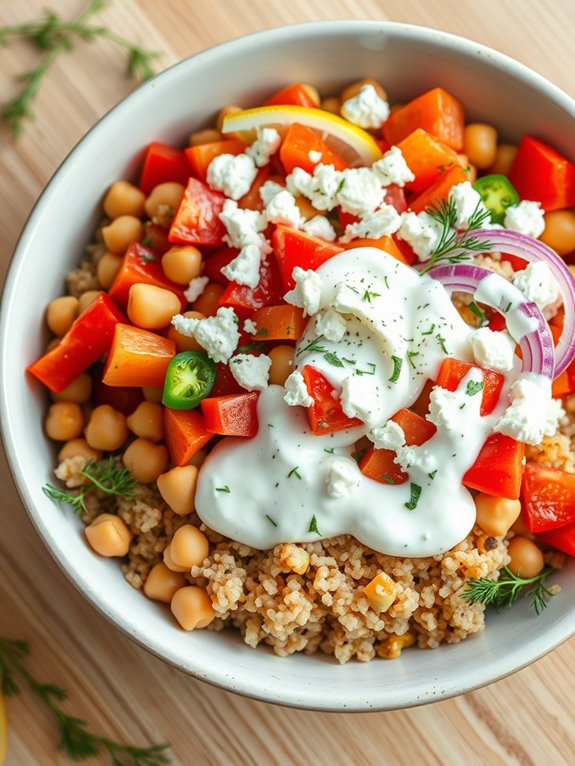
320,188
268,191
525,218
282,208
466,201
445,409
495,350
417,457
195,288
389,436
245,267
538,284
250,327
243,226
217,335
359,395
232,174
421,232
314,156
533,413
360,191
342,477
330,325
382,223
319,226
367,109
307,291
392,168
267,143
251,372
296,391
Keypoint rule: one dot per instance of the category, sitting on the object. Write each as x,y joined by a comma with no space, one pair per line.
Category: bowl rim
251,688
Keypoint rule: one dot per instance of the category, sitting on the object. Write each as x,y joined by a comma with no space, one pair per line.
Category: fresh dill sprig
454,246
74,739
506,590
54,36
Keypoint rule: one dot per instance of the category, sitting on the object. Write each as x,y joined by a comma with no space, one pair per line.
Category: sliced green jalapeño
497,194
189,378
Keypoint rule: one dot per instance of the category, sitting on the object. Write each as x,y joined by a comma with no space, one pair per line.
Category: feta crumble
232,174
243,227
307,291
251,372
250,327
195,288
445,410
282,209
382,223
314,156
342,477
533,413
367,109
331,325
495,350
390,436
296,391
538,284
319,226
360,191
466,201
217,335
245,267
421,232
525,218
320,188
392,168
267,143
358,397
268,191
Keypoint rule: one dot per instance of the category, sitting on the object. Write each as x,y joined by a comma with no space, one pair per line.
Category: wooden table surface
124,692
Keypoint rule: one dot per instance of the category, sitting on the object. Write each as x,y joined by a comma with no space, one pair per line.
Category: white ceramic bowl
407,60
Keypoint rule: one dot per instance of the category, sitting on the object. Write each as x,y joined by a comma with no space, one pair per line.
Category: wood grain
124,692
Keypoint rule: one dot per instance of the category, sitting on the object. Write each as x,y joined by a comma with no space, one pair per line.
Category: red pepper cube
295,248
245,300
200,156
325,415
162,164
541,174
297,145
563,539
141,265
498,468
435,111
185,433
233,415
548,498
295,95
452,372
197,220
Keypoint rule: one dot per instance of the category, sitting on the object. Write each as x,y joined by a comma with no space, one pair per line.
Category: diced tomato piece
427,158
548,498
88,339
299,142
563,539
244,300
234,415
225,382
452,372
137,358
215,262
417,429
498,468
185,433
199,157
542,174
141,265
436,112
439,189
295,95
156,238
294,248
380,465
325,415
123,399
197,220
252,200
283,322
163,163
387,244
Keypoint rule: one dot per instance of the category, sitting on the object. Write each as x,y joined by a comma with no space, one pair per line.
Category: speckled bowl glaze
407,60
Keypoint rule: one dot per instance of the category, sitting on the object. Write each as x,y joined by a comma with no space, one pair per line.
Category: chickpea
124,198
78,391
480,144
312,92
182,264
207,303
185,342
207,136
178,488
107,429
108,535
161,583
559,232
189,546
504,157
147,421
526,558
170,563
151,307
331,104
107,268
470,170
229,109
164,195
352,90
495,515
64,421
121,233
282,365
61,313
86,300
145,460
192,607
152,394
78,448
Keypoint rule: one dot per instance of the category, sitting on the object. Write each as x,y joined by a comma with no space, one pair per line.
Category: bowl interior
407,60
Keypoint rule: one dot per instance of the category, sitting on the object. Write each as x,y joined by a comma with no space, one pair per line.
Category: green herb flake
441,342
367,296
329,450
433,474
223,489
506,309
397,364
332,358
367,372
474,387
415,494
479,313
263,332
430,331
358,454
271,521
313,526
386,281
387,478
341,185
294,472
410,356
147,241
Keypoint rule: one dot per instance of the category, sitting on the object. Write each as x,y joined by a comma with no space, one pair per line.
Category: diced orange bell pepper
387,244
268,292
163,164
542,174
137,358
252,200
417,430
299,142
562,385
436,111
200,156
439,189
197,221
141,265
284,322
325,415
295,95
498,468
185,433
426,157
233,415
452,372
295,248
89,337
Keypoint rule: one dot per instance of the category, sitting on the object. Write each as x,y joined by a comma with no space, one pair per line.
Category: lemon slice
3,730
353,144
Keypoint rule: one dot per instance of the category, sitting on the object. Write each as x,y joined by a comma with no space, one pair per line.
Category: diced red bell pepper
197,220
299,142
199,157
452,372
542,174
325,415
395,196
436,112
225,382
268,292
294,248
215,262
563,539
185,433
252,200
141,265
234,415
427,158
123,399
163,163
548,498
421,405
406,250
295,95
417,430
283,322
439,189
89,337
137,357
156,238
498,468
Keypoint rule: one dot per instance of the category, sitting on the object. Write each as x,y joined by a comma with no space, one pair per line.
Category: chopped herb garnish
474,387
415,493
430,331
358,454
387,478
253,345
410,355
271,425
433,474
479,313
506,309
330,450
506,590
367,296
386,281
441,342
223,489
314,347
332,358
147,257
263,332
271,521
397,364
341,185
462,406
313,526
367,372
294,472
147,241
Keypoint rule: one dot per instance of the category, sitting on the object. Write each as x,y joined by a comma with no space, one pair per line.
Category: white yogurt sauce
274,488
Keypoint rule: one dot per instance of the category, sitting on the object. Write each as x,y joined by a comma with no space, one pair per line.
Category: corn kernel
391,648
380,592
